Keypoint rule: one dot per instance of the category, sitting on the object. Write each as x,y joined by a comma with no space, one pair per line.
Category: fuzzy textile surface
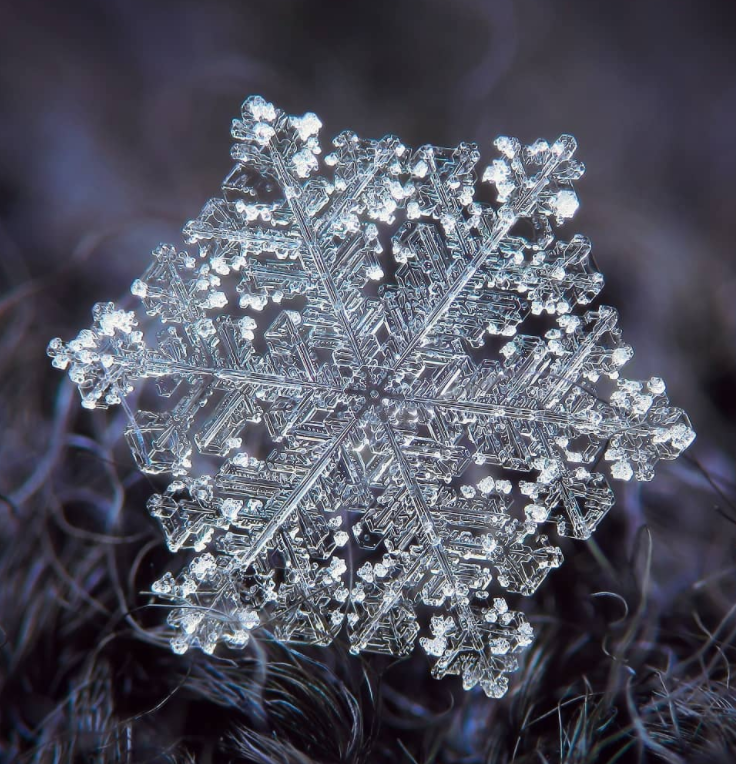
113,122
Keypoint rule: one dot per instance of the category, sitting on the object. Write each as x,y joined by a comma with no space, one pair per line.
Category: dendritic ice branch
376,394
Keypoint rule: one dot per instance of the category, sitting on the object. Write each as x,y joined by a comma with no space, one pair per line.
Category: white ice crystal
354,360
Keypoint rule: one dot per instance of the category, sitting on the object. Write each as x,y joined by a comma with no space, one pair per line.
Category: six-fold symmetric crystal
375,394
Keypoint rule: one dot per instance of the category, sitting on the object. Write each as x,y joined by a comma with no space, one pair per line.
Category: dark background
114,130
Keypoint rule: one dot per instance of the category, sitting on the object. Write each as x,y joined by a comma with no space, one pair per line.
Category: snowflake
357,363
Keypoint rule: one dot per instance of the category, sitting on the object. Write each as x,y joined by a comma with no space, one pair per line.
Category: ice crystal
375,394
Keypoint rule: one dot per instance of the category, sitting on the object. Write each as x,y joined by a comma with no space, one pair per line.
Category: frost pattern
406,353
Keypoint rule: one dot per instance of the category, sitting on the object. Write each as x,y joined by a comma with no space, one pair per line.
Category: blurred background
114,131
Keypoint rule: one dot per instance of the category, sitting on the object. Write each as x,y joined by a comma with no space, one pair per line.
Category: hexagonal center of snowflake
375,388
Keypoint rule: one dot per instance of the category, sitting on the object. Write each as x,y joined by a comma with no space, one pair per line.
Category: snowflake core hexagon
341,354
